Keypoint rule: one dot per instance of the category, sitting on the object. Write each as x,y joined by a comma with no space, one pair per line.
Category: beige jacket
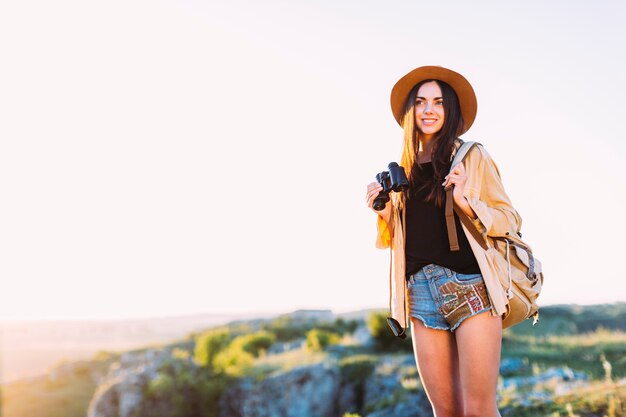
496,216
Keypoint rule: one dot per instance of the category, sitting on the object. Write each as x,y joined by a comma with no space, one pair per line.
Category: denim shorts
442,298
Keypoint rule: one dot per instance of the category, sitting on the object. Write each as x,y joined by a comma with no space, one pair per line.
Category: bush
357,368
344,327
169,396
285,329
383,336
185,393
160,386
210,390
238,356
317,340
256,343
339,326
209,344
233,361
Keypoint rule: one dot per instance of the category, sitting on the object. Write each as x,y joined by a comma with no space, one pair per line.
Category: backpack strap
449,209
450,225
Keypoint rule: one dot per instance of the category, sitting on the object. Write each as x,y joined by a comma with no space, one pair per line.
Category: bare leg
479,339
437,362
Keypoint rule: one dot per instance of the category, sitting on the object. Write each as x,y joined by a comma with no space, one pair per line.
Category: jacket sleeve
496,215
384,230
383,240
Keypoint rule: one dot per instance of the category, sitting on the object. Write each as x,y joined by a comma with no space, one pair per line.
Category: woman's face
429,114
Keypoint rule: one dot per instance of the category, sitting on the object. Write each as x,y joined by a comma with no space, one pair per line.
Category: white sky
177,157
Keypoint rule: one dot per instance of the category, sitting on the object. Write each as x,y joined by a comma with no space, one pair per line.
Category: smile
429,122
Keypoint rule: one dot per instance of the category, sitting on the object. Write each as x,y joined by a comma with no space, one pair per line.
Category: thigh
437,362
479,340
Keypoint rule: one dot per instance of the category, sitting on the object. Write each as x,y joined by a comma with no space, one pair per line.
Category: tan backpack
523,279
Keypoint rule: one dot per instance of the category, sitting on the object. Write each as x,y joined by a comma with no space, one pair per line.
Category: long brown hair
442,148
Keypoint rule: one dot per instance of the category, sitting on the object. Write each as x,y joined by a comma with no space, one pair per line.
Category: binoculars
392,180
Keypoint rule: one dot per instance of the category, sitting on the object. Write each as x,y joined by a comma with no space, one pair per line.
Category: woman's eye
436,103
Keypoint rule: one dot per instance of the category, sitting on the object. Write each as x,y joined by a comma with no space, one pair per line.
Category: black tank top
427,236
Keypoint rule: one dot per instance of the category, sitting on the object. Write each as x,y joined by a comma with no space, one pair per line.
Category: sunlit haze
183,157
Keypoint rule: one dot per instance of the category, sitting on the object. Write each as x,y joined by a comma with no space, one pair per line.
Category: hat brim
463,89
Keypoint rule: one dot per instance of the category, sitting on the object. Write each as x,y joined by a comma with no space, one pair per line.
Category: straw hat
462,88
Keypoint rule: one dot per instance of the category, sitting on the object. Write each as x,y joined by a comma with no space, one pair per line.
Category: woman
455,301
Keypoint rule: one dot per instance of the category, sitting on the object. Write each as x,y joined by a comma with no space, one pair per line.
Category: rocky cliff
387,386
383,388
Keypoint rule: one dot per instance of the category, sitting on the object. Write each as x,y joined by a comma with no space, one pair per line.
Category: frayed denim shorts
442,298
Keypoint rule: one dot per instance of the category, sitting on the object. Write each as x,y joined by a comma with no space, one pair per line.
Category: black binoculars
392,180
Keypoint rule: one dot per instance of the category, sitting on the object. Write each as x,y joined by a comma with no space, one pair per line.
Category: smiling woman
455,302
431,107
429,111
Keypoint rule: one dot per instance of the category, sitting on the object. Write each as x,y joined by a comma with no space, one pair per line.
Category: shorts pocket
415,279
467,278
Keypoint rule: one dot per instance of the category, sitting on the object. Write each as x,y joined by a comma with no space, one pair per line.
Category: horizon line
234,315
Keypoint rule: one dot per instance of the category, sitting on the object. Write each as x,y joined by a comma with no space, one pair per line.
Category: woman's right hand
373,189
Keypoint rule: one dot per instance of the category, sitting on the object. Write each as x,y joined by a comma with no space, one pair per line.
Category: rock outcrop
120,392
322,390
326,389
388,386
393,390
305,391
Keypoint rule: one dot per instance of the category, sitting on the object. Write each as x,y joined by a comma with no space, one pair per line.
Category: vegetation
318,340
209,344
257,343
286,361
236,358
286,328
383,337
586,352
182,389
199,369
597,400
356,369
559,320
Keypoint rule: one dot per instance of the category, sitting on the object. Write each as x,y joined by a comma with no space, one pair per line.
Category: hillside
30,348
575,359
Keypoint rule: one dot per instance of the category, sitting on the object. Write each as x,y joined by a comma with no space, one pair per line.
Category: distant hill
30,347
564,319
574,358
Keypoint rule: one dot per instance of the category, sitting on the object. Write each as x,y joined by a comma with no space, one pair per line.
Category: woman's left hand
458,178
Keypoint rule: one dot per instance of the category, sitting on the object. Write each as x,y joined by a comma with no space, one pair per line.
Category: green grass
598,400
358,368
566,336
286,361
581,352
